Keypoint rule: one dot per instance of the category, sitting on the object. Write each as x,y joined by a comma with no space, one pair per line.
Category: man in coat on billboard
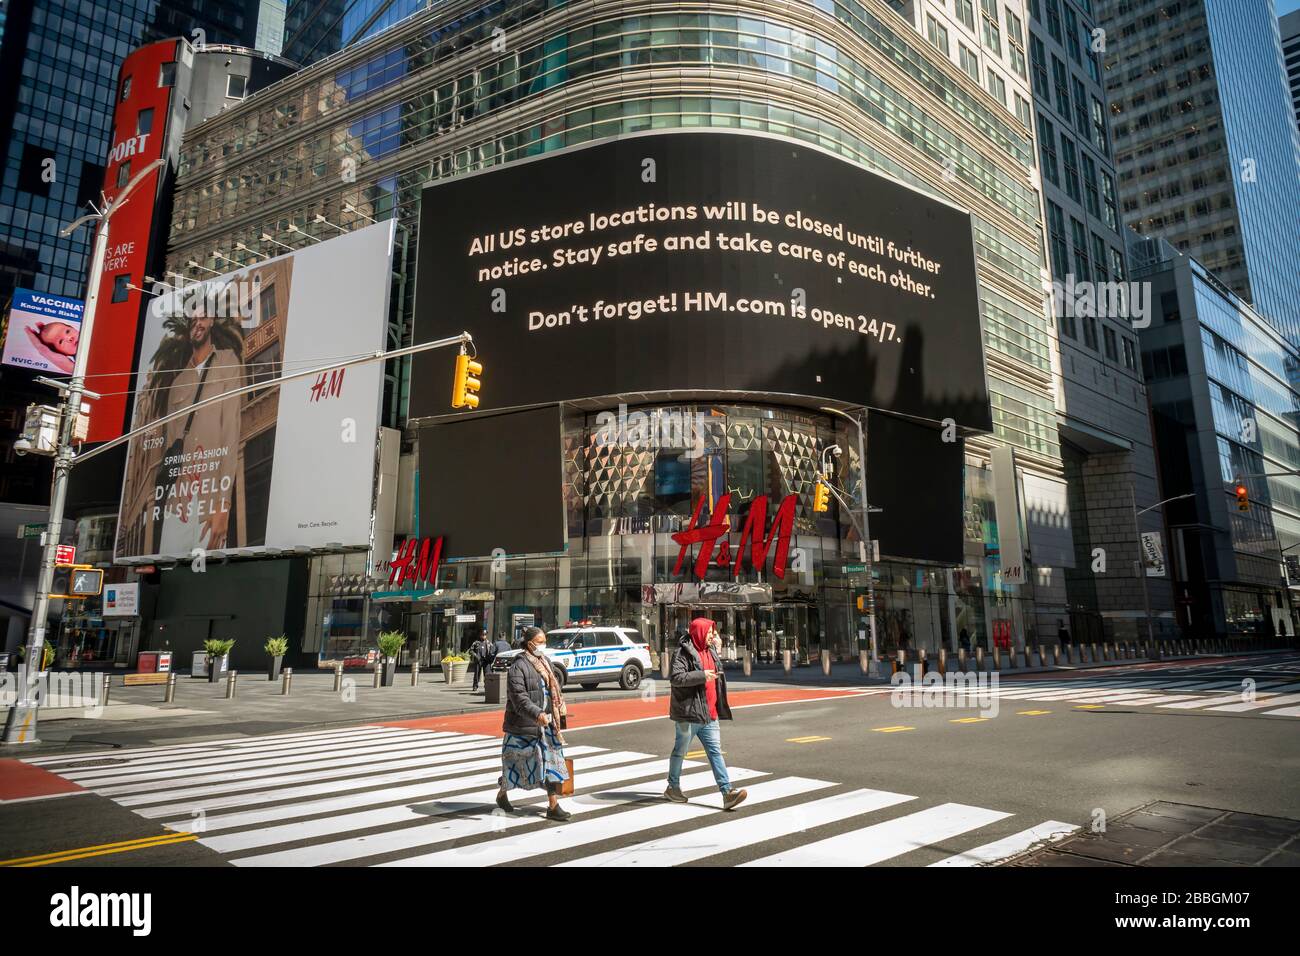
699,701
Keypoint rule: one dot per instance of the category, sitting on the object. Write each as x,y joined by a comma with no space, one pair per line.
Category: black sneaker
558,813
504,803
733,798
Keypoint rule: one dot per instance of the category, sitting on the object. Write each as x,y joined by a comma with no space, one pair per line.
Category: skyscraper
1289,26
1206,143
316,28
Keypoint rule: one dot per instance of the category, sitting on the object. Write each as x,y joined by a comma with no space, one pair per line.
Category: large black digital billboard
700,261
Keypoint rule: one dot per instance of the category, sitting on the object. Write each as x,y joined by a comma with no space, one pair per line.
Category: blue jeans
712,741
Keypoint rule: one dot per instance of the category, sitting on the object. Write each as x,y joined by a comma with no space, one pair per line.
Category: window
1023,112
123,173
1061,77
937,33
1038,55
1071,159
1080,107
266,304
126,89
1054,19
144,122
1056,230
1047,149
1090,332
1099,127
1112,343
38,170
1108,194
1130,354
1072,34
167,74
120,290
966,13
264,366
970,62
1091,192
1099,258
998,87
1079,235
1116,264
1016,43
992,32
236,86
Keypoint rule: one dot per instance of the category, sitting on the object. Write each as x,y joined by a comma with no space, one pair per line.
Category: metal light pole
20,725
864,539
1141,561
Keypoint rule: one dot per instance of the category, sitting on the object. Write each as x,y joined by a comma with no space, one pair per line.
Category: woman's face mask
536,649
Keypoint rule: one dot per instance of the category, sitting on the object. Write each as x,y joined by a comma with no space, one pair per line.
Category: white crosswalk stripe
1215,696
397,797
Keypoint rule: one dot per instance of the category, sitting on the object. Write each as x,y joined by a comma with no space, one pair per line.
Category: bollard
379,672
1042,656
103,695
979,659
415,674
169,695
747,661
1093,654
923,659
338,678
962,660
826,663
1056,656
665,663
231,678
864,661
943,661
286,681
785,661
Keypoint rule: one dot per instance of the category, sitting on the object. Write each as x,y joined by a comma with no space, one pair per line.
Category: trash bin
146,662
494,687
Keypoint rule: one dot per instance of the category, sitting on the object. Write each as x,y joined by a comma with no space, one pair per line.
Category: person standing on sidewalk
699,701
478,660
532,754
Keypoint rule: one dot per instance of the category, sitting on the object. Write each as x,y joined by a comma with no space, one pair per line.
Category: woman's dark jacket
689,702
525,697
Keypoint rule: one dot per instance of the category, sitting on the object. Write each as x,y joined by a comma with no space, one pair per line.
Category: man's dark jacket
689,702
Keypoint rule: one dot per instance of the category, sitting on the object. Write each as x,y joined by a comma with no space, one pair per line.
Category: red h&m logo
421,569
760,543
327,385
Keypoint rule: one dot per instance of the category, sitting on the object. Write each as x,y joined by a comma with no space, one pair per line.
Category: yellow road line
891,730
969,720
1032,713
1089,706
699,753
103,849
805,740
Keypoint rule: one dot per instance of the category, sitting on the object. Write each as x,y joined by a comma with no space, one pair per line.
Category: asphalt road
933,781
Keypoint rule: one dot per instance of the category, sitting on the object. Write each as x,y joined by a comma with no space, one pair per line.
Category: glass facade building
358,136
1205,141
1225,393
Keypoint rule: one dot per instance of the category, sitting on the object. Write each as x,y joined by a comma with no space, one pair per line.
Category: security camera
22,446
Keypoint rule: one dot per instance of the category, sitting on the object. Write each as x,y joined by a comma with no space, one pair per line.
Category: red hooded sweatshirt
699,630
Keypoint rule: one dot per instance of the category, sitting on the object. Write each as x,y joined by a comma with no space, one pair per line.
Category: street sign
855,569
31,530
65,554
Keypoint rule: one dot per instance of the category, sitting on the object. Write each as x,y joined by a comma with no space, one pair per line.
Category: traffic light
1243,496
821,495
76,581
465,385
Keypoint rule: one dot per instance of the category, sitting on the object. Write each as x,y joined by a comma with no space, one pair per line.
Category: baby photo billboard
43,331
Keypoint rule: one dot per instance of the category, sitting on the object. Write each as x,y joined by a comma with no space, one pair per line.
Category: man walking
699,701
479,656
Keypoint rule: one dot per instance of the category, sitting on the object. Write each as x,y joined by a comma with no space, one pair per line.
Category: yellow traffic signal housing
821,495
1243,496
465,385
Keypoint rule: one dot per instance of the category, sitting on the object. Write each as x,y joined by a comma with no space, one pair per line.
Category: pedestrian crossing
1259,698
382,796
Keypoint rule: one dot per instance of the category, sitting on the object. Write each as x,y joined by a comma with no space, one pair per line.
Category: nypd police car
592,655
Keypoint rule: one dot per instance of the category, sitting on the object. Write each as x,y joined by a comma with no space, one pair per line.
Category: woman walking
532,754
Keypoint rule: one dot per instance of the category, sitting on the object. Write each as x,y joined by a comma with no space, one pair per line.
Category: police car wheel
630,679
590,686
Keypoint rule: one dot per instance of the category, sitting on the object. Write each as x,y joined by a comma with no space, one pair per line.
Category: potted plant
218,652
454,667
390,645
276,648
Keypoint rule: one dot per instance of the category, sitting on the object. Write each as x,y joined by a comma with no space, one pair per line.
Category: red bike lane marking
23,781
604,713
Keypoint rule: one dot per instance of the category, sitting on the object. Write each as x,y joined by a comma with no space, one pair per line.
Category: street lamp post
864,542
20,725
1141,561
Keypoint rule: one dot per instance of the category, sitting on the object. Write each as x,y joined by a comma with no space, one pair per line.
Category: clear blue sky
1286,6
